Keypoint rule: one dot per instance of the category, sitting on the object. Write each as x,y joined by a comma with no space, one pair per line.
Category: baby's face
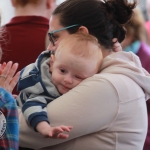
68,71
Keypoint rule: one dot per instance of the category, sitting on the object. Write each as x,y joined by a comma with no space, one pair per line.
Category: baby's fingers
66,128
56,130
62,136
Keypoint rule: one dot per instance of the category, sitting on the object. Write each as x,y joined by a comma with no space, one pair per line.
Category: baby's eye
62,70
78,77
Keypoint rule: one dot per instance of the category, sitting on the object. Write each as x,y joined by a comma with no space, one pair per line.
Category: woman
108,110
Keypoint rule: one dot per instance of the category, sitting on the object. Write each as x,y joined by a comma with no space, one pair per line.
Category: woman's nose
51,47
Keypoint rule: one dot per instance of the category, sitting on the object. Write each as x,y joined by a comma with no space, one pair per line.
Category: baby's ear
52,59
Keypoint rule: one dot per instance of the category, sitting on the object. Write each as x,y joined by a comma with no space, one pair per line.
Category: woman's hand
2,66
116,46
8,76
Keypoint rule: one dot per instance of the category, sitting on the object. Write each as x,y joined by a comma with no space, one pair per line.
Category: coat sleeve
34,112
85,107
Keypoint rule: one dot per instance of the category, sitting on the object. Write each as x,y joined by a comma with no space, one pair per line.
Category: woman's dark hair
104,19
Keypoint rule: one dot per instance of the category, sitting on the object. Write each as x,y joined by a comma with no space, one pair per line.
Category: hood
128,64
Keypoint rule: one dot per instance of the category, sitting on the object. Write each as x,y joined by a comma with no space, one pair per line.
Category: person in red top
25,35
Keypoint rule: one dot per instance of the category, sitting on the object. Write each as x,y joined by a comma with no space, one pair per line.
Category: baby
77,57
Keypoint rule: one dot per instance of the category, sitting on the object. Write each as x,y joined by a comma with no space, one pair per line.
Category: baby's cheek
77,83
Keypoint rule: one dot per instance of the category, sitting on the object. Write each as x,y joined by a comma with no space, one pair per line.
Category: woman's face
57,36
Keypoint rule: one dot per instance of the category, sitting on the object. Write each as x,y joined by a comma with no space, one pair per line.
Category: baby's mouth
66,87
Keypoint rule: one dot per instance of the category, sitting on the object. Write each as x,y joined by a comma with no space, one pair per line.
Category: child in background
51,76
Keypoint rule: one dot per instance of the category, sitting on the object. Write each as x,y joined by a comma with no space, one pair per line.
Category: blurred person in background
136,41
25,34
148,9
147,24
0,17
9,124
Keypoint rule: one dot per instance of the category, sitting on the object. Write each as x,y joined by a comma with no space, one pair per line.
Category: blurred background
7,11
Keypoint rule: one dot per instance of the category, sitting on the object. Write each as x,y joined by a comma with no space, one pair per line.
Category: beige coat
107,111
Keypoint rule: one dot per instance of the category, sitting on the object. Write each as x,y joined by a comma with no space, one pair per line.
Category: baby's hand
53,132
58,132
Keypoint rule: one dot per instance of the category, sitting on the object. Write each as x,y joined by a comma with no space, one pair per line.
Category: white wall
7,11
59,1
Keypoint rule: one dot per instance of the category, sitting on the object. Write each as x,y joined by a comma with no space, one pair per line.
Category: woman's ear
51,4
83,29
52,59
13,2
48,3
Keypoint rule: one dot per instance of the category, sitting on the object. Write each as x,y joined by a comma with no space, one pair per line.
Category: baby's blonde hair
81,45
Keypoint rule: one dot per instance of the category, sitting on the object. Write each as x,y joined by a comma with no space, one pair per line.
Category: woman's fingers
7,68
116,46
14,81
7,78
2,66
14,96
114,40
11,72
